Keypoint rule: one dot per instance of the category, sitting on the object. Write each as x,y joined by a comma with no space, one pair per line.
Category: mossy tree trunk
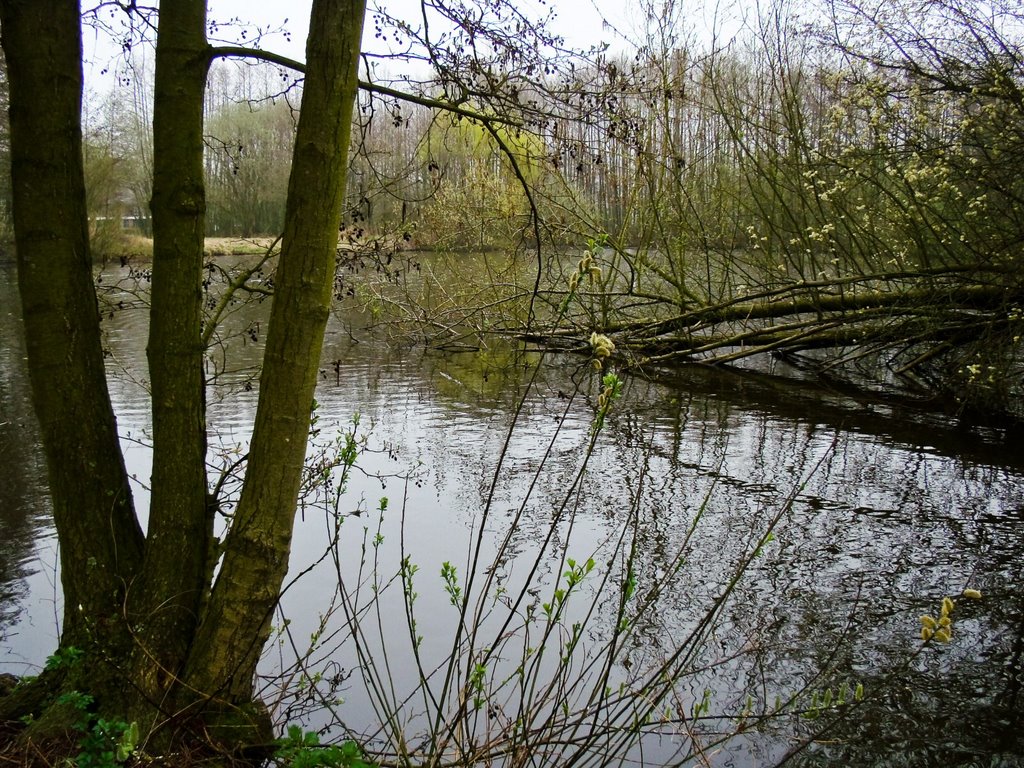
237,620
166,602
168,642
100,539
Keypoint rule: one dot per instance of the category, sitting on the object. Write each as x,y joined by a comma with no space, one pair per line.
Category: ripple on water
877,520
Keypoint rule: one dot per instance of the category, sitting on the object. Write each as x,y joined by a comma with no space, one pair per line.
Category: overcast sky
579,21
583,24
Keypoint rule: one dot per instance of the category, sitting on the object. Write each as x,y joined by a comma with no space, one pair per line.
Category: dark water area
25,535
876,513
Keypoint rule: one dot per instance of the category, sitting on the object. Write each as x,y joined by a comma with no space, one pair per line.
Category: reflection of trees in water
886,566
956,704
22,481
875,538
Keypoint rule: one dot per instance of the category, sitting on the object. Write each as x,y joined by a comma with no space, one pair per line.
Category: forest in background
842,194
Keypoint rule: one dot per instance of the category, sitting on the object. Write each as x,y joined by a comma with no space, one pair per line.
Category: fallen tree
934,331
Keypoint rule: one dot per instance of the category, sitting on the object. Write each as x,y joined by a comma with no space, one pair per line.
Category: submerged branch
938,329
812,297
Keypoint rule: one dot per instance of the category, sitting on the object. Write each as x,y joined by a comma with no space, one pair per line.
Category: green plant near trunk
302,749
103,743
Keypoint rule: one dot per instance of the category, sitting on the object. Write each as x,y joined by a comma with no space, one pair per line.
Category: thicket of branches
840,195
843,195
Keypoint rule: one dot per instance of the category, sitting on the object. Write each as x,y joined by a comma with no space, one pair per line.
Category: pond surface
848,519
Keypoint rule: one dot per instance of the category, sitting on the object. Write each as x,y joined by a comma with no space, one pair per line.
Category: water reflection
24,503
876,517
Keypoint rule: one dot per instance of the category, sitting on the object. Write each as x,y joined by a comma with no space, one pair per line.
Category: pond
733,565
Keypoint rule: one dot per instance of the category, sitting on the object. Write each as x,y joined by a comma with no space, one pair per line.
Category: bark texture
236,622
101,542
165,608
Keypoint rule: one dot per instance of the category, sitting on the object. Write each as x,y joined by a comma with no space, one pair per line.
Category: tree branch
240,52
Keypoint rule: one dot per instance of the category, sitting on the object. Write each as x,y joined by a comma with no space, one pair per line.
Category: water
874,516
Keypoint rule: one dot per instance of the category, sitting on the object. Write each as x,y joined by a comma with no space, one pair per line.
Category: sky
583,24
580,21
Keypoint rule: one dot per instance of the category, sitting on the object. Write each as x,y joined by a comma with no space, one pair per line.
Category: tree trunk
166,605
185,643
101,542
236,621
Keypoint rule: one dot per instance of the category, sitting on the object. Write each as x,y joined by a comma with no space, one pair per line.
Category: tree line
840,195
